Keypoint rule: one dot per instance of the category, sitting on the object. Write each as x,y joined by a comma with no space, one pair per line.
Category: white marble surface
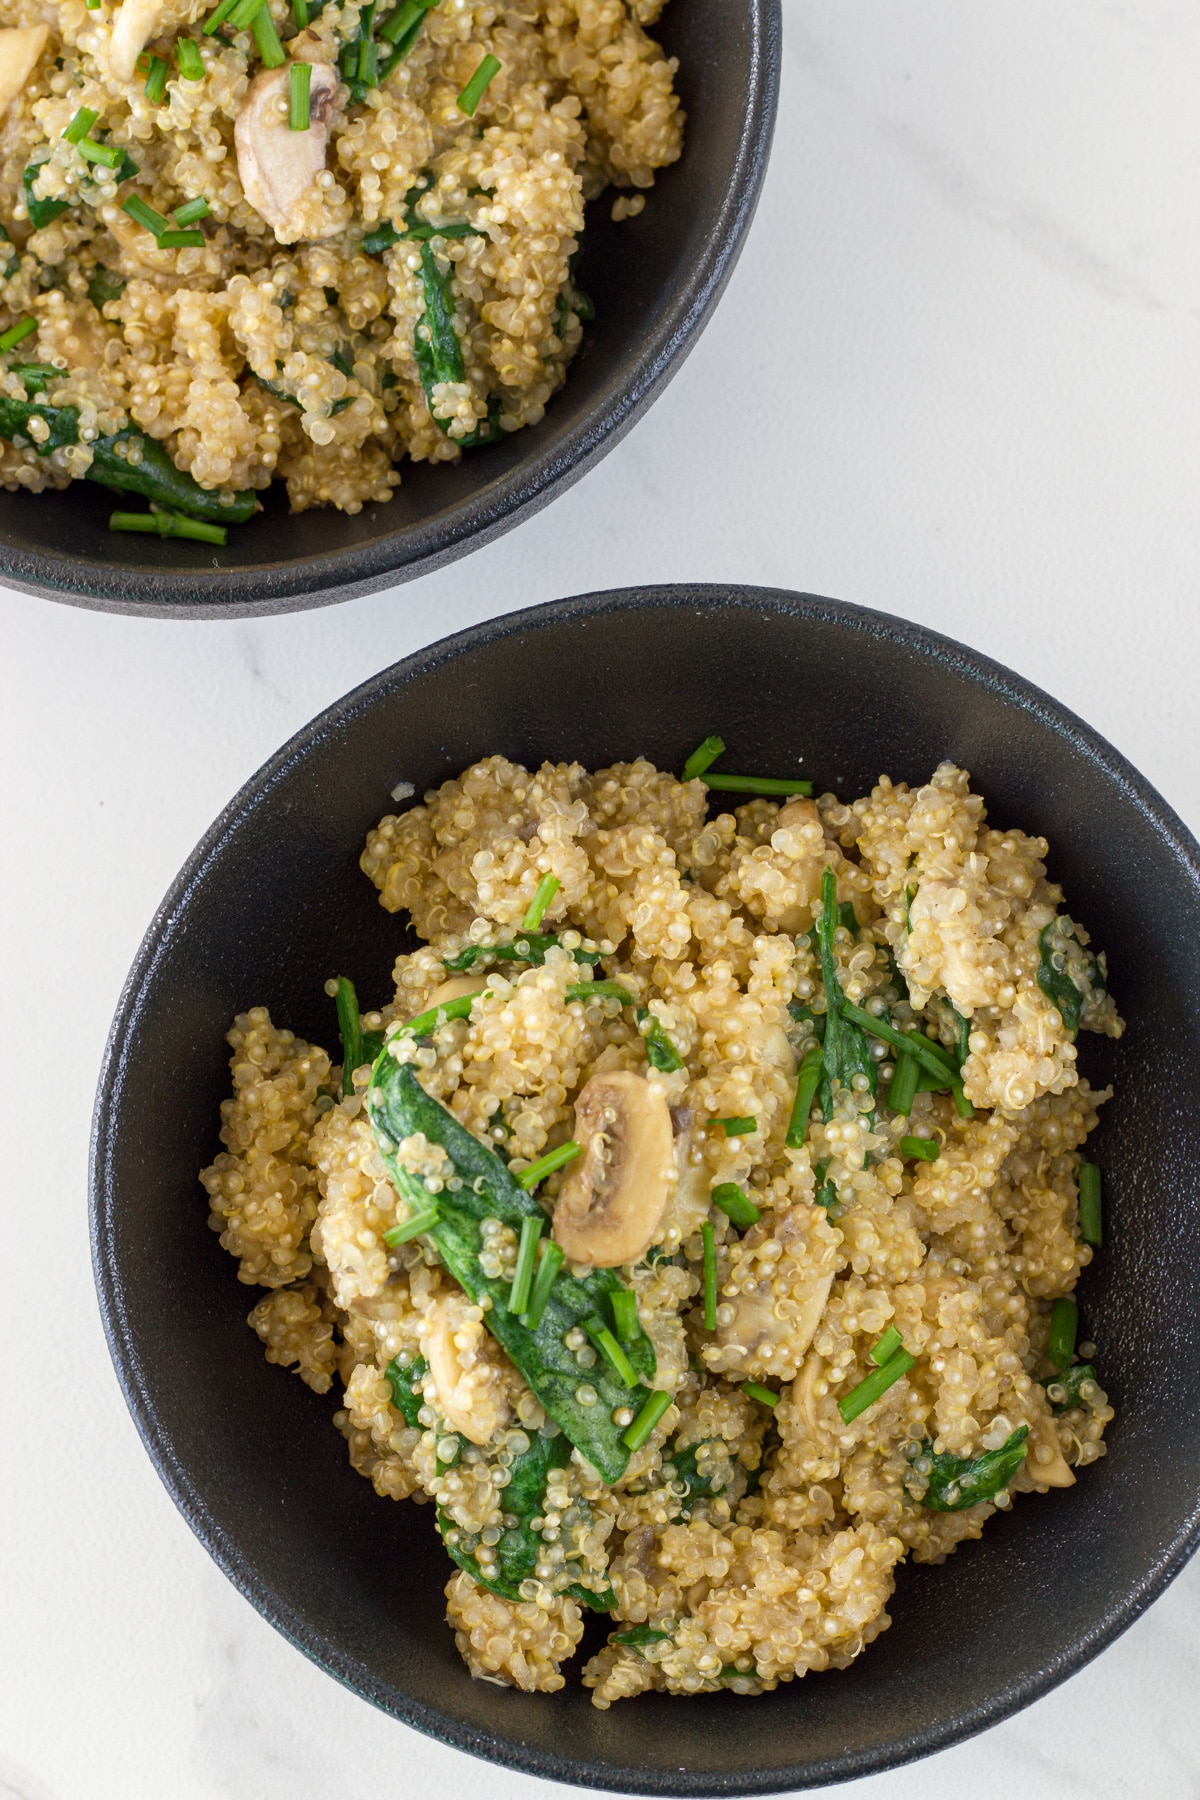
981,232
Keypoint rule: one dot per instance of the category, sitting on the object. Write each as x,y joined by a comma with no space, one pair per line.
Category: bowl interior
273,904
653,279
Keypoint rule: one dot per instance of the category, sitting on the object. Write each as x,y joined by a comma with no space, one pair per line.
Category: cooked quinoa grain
392,277
688,961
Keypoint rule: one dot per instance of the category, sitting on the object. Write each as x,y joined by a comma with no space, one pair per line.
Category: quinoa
754,1534
280,347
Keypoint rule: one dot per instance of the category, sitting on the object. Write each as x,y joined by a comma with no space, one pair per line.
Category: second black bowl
272,903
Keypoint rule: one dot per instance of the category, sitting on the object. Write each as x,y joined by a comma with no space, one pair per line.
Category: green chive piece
350,1028
299,102
757,784
543,894
1089,1204
181,240
811,1070
923,1149
407,15
550,1261
416,1226
903,1090
191,63
546,1165
600,990
242,13
737,1127
17,333
108,155
216,19
647,1419
156,80
144,214
710,1277
474,91
737,1206
911,1045
876,1384
168,524
758,1392
531,1231
192,211
702,757
962,1105
1064,1327
625,1316
267,39
80,125
368,64
437,1016
610,1350
886,1348
300,13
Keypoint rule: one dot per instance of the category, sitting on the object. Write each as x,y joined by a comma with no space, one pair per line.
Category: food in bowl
698,1224
300,241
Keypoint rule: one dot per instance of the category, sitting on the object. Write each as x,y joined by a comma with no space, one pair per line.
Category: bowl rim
170,917
415,550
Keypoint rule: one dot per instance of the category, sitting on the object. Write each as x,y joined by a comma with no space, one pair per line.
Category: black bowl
655,280
272,903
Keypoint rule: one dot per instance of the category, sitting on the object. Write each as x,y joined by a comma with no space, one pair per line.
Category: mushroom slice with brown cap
611,1204
278,166
19,51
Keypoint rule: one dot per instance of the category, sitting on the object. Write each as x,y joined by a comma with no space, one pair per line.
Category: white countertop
981,235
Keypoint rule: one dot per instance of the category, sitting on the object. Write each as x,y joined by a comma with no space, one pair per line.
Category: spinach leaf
956,1482
40,211
398,1107
847,1051
14,262
105,286
1072,1380
405,1384
1068,974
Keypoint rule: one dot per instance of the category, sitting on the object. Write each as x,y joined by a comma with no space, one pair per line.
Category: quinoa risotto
300,239
697,1225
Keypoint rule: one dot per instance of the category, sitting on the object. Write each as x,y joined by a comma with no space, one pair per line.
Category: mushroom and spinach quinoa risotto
696,1226
301,239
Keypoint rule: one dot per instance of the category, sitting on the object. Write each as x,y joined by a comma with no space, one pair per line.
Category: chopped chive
737,1127
757,784
1064,1326
600,990
108,155
17,333
181,240
876,1384
757,1391
647,1419
191,63
416,1226
299,101
216,19
191,212
531,1231
923,1149
886,1348
156,80
710,1277
546,1165
144,214
702,757
350,1028
436,1016
267,39
368,64
475,89
543,894
300,13
80,125
399,23
550,1261
1089,1204
962,1105
625,1315
912,1045
610,1350
168,524
811,1070
242,12
738,1208
903,1089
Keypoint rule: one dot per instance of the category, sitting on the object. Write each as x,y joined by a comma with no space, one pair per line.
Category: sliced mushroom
1045,1462
469,1387
19,51
278,166
804,1393
611,1203
454,989
136,23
